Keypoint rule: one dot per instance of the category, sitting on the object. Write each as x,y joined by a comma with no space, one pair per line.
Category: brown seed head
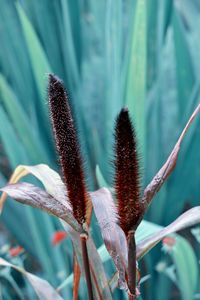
68,148
126,172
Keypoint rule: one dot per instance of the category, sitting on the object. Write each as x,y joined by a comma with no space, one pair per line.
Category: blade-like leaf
189,218
29,194
136,79
100,179
184,259
39,60
20,121
41,287
158,180
48,177
113,236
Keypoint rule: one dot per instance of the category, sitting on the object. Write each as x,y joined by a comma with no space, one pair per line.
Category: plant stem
83,238
131,265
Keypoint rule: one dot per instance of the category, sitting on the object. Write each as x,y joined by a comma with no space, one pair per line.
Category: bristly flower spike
68,148
127,186
71,163
127,183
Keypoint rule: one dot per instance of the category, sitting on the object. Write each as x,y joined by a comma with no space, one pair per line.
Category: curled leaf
189,218
48,177
27,193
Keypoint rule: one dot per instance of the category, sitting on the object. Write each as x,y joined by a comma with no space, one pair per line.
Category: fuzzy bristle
68,148
127,184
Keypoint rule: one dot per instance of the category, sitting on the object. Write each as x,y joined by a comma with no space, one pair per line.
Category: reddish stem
83,238
131,265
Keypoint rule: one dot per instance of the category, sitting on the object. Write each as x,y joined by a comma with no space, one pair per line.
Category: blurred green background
110,54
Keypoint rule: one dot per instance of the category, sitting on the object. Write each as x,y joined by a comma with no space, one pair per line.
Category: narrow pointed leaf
41,287
100,179
136,73
39,61
20,121
183,257
29,194
189,218
113,236
158,180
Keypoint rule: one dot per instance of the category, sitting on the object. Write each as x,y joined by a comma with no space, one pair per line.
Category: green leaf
7,130
100,179
136,80
39,61
184,259
41,287
21,122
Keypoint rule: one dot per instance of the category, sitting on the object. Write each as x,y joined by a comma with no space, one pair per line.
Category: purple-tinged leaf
41,287
29,194
113,236
48,177
51,181
100,283
156,183
189,218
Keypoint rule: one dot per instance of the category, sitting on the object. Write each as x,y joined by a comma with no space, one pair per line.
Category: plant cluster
119,210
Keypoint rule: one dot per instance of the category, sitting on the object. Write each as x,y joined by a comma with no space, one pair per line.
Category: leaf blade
158,180
42,288
31,195
189,218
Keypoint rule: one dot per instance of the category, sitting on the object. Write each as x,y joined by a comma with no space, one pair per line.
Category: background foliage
142,54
